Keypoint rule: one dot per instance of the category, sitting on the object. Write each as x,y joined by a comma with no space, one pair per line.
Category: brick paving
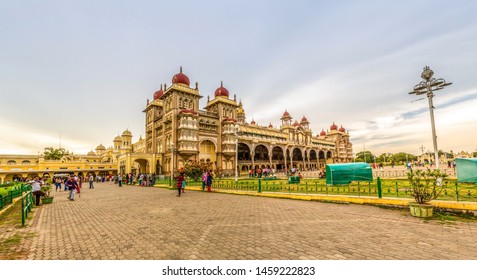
114,223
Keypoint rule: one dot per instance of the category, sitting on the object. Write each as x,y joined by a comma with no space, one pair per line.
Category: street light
428,86
237,128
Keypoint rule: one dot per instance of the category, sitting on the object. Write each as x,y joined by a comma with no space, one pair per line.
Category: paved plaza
113,223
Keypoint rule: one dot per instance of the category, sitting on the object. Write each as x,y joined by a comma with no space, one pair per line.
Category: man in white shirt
36,184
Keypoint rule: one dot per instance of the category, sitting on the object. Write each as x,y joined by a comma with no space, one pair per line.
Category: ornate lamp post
428,86
237,128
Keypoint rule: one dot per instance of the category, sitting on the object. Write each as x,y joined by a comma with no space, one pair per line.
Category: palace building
178,131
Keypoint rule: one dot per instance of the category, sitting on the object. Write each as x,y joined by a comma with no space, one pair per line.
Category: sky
79,73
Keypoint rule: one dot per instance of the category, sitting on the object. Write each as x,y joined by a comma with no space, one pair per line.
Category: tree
403,157
365,156
54,154
194,170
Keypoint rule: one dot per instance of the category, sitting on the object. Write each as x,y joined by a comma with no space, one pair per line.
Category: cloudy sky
84,69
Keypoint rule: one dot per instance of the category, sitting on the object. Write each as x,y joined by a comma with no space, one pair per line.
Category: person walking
91,181
179,181
209,180
36,184
72,185
204,180
58,183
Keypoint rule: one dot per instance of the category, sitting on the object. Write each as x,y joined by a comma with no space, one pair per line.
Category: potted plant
46,189
425,186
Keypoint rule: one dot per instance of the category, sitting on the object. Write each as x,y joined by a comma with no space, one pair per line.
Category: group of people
181,182
73,184
259,172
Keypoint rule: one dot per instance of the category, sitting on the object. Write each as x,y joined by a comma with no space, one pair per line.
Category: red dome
253,122
296,123
322,133
342,129
270,125
221,91
304,119
334,127
286,114
180,78
158,93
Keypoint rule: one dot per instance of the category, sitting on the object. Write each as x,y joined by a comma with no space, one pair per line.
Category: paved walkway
151,223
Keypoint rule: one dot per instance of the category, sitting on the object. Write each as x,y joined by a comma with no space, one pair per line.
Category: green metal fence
27,204
9,193
453,191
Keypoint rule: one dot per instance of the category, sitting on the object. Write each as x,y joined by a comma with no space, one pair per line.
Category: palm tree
54,154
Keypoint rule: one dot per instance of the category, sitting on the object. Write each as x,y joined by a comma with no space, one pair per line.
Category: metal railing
27,204
452,191
12,192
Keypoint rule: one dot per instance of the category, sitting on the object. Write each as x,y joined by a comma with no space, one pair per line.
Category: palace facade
177,131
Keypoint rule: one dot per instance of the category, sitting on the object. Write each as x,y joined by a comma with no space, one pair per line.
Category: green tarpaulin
345,173
466,169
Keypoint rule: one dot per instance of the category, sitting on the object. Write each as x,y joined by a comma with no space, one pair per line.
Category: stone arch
208,150
297,155
277,153
261,153
244,152
313,155
141,165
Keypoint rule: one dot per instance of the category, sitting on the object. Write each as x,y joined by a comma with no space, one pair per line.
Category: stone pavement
113,223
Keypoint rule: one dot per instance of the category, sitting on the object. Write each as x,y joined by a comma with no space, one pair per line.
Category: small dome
100,147
342,129
322,133
270,125
91,153
180,78
296,123
158,93
286,114
118,139
333,126
221,91
304,119
253,122
126,133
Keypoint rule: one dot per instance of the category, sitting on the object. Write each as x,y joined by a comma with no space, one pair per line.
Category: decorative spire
235,97
208,98
196,85
221,84
181,69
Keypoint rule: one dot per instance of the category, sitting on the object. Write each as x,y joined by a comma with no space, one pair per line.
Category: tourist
120,180
209,180
36,184
204,180
78,189
184,183
91,181
58,183
179,180
72,185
